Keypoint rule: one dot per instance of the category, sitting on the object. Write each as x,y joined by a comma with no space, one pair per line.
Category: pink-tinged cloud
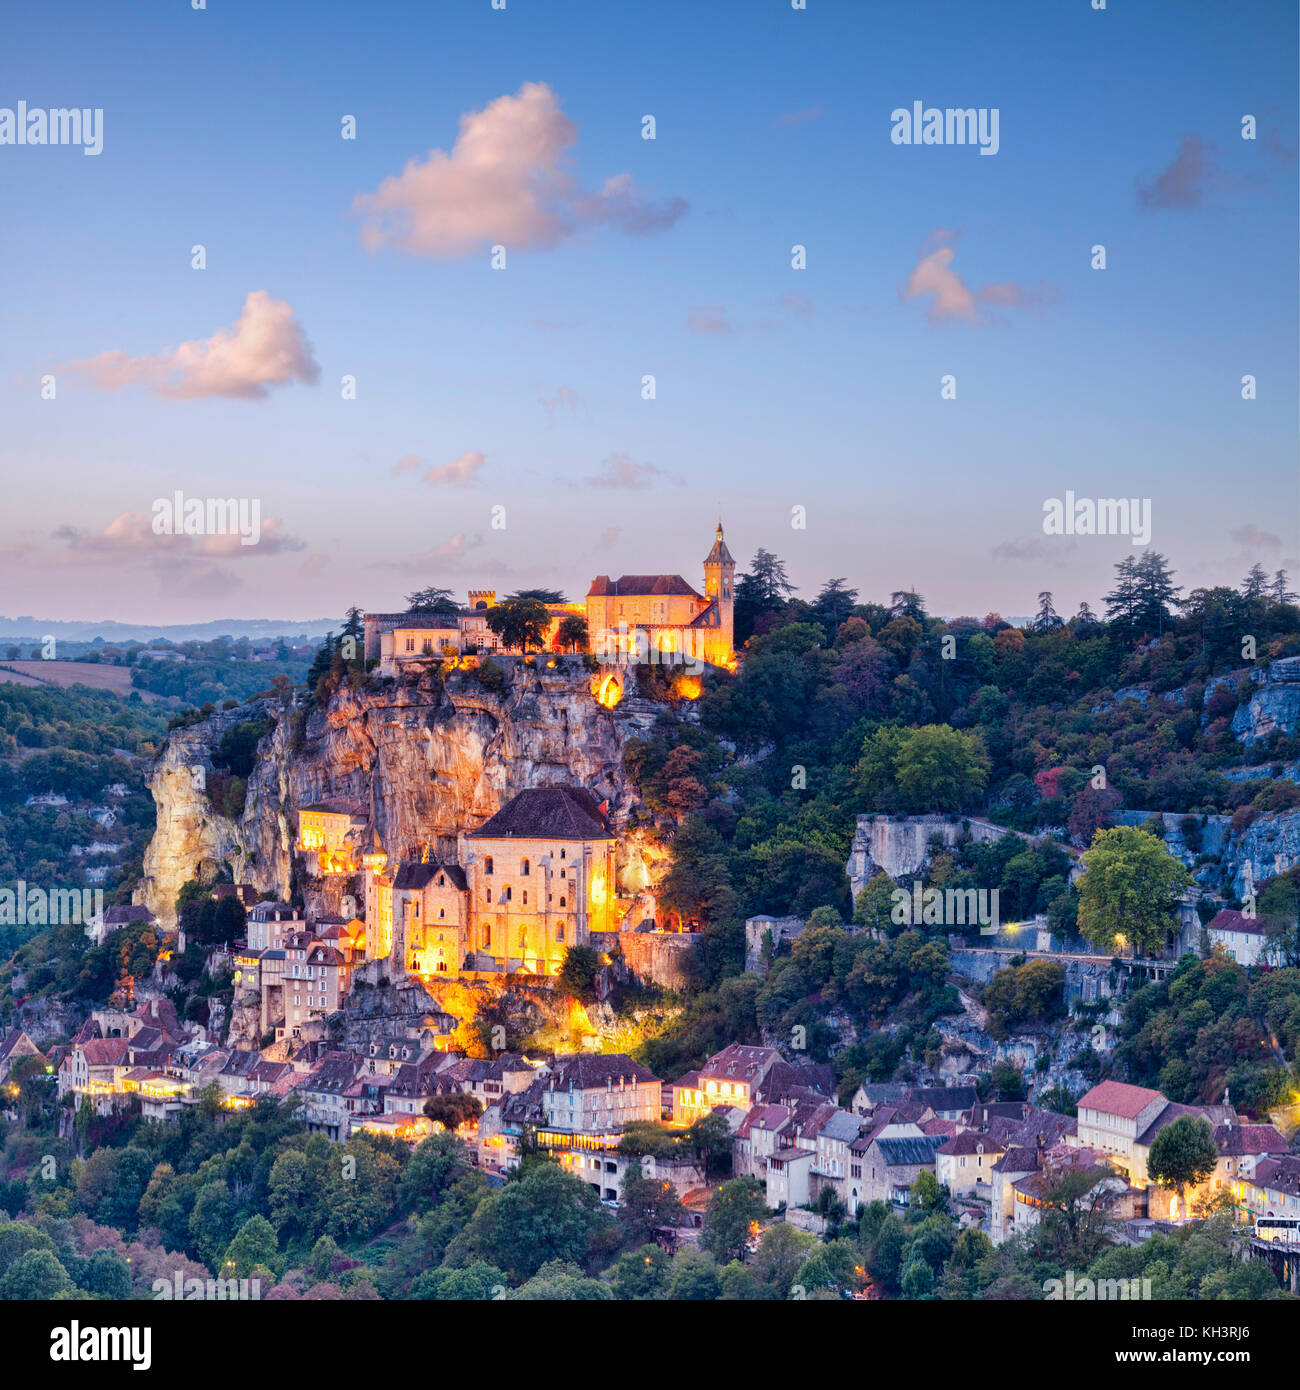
459,472
265,348
1183,183
406,463
951,297
130,535
565,398
710,319
621,472
505,181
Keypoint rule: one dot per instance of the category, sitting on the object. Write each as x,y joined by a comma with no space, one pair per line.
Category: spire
719,554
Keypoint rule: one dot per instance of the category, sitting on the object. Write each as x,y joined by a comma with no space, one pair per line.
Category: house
1242,937
832,1156
730,1077
114,919
95,1068
322,1091
1110,1191
269,923
16,1045
1274,1188
965,1163
1113,1115
328,834
593,1094
945,1102
891,1165
789,1177
870,1094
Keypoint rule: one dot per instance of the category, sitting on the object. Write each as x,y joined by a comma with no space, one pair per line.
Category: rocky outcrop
1268,846
432,756
1274,705
900,845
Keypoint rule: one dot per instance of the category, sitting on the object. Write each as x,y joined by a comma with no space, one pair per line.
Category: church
662,613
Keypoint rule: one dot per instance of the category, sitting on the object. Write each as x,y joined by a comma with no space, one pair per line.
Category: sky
498,432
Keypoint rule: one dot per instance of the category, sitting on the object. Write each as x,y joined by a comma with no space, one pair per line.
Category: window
559,932
487,865
561,853
524,868
505,894
489,895
561,901
410,644
525,897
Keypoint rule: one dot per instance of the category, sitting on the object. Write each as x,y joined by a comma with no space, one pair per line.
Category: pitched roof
1173,1111
548,813
1228,920
414,876
719,554
1119,1098
591,1069
908,1152
640,586
969,1141
1234,1140
945,1097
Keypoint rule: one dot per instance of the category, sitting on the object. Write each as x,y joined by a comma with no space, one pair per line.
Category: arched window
505,894
525,868
489,895
559,932
487,865
561,902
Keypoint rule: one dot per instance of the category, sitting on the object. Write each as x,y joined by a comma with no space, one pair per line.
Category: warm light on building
607,690
688,687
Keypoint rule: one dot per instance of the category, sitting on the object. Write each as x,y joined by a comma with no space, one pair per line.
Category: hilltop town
722,930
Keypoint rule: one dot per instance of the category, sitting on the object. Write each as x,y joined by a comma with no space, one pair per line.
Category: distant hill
255,629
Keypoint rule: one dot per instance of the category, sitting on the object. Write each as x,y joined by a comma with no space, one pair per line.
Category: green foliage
1183,1154
733,1208
1130,887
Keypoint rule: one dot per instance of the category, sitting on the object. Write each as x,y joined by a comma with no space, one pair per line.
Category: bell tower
720,586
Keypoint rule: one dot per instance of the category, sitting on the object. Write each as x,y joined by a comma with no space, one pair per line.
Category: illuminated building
330,831
647,615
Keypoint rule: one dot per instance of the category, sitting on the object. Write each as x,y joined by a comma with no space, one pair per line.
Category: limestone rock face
1274,704
433,757
1269,846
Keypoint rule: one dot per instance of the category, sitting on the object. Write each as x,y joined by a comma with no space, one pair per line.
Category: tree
1048,620
939,768
1183,1154
732,1217
545,1214
572,635
648,1204
875,904
34,1277
451,1111
253,1244
709,1138
519,622
537,596
641,1273
431,600
782,1250
834,604
1129,890
578,972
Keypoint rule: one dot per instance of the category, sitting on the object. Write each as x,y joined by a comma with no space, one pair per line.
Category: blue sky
776,387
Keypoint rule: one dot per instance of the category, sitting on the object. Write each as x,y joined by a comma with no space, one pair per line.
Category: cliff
432,756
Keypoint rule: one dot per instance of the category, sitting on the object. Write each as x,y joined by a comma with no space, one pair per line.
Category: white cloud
505,181
265,348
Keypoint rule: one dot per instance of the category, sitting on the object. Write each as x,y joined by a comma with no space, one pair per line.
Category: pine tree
1121,602
1048,618
1278,589
1155,593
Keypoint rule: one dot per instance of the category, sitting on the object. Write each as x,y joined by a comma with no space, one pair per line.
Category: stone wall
661,958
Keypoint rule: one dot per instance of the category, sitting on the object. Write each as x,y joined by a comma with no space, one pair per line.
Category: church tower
720,586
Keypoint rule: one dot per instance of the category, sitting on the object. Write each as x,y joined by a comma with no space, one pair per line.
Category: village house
1113,1115
268,923
1242,937
965,1164
730,1077
330,834
1110,1192
322,1092
891,1165
15,1046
